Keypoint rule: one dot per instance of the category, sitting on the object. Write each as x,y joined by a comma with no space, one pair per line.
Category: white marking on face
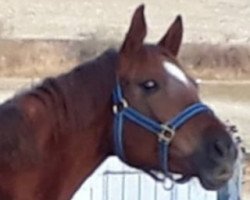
176,72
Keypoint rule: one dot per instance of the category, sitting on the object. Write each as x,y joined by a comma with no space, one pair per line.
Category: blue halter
164,131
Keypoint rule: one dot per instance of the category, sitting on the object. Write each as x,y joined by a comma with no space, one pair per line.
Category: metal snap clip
120,106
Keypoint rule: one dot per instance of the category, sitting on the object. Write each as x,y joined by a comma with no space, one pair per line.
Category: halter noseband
164,131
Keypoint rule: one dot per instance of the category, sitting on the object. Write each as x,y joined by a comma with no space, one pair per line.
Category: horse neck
89,87
70,121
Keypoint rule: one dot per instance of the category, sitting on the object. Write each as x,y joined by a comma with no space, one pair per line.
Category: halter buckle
166,134
120,106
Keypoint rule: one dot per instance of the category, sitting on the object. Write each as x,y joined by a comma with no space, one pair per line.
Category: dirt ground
205,21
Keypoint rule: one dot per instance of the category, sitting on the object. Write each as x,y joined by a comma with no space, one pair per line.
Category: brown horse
54,136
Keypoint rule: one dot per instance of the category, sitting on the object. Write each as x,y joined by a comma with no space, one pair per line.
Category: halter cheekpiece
164,131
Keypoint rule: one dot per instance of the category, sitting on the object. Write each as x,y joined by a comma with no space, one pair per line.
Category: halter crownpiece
164,131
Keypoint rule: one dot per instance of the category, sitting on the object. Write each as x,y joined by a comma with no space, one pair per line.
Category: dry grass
218,61
40,58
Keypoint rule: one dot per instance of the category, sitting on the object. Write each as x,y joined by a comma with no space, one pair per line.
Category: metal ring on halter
172,184
119,106
166,134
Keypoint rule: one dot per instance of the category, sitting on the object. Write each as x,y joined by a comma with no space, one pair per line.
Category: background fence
116,181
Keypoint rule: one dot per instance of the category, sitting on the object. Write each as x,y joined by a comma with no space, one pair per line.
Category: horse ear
136,33
172,39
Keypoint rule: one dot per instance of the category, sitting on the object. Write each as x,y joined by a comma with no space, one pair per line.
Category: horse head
161,125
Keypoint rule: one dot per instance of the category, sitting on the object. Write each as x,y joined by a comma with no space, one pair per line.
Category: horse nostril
220,148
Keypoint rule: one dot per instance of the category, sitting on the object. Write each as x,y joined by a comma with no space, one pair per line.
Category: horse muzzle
217,178
218,167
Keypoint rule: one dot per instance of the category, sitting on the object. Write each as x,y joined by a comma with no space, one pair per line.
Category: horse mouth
210,183
213,185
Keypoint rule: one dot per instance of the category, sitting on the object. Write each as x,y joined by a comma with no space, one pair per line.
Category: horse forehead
174,71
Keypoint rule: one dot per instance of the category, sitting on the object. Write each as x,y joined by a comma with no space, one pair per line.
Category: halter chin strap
164,131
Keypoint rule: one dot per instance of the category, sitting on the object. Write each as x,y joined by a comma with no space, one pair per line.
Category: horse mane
59,96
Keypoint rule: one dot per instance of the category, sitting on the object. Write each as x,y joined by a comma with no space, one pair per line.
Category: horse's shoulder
16,138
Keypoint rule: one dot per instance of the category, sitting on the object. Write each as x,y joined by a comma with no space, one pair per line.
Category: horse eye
149,86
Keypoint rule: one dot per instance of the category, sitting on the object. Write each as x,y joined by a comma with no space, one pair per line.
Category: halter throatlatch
164,131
